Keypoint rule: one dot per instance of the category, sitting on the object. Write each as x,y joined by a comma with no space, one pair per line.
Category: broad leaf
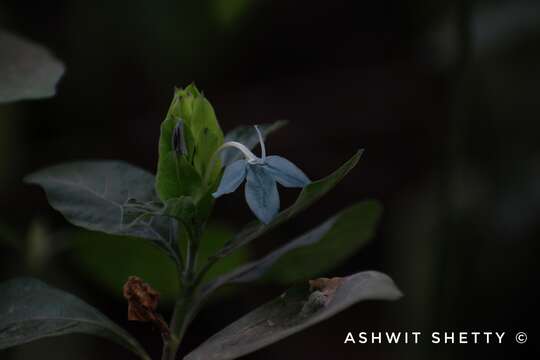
309,195
27,70
313,253
97,256
101,196
293,311
31,310
248,136
351,230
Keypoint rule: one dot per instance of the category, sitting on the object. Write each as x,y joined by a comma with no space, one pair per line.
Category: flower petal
285,172
232,178
261,193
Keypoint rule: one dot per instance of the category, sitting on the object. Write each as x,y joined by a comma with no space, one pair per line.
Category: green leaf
214,237
109,260
248,136
351,230
27,70
96,255
99,195
317,251
309,195
293,311
31,310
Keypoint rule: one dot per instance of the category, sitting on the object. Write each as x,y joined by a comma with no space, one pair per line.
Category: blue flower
261,175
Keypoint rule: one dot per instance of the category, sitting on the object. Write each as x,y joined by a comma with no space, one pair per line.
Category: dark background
443,95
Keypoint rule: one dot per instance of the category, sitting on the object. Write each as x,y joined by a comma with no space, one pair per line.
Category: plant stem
183,309
180,320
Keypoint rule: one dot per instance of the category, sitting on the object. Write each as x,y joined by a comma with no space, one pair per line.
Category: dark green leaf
352,229
109,260
31,310
293,311
27,70
309,195
97,256
313,253
248,136
99,195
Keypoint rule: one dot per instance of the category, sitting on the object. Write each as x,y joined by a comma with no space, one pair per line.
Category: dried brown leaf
142,303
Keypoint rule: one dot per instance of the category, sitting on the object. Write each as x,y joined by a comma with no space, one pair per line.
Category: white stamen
261,141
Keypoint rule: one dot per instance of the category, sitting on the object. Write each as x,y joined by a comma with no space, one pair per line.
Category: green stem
179,323
184,307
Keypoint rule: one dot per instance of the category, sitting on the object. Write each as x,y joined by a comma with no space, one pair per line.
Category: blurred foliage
109,260
27,70
229,12
33,249
7,140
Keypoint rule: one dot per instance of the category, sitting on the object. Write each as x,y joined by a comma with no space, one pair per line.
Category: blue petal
285,172
261,193
233,176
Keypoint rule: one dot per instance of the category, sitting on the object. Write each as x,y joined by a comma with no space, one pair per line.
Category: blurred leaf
98,195
229,12
313,253
9,237
309,195
27,70
31,310
39,247
110,260
497,27
293,311
248,136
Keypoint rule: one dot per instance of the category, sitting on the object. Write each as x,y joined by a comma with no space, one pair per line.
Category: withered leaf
326,286
142,303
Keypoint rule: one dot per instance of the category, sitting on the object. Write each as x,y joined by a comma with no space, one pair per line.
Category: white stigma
250,157
261,141
248,154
